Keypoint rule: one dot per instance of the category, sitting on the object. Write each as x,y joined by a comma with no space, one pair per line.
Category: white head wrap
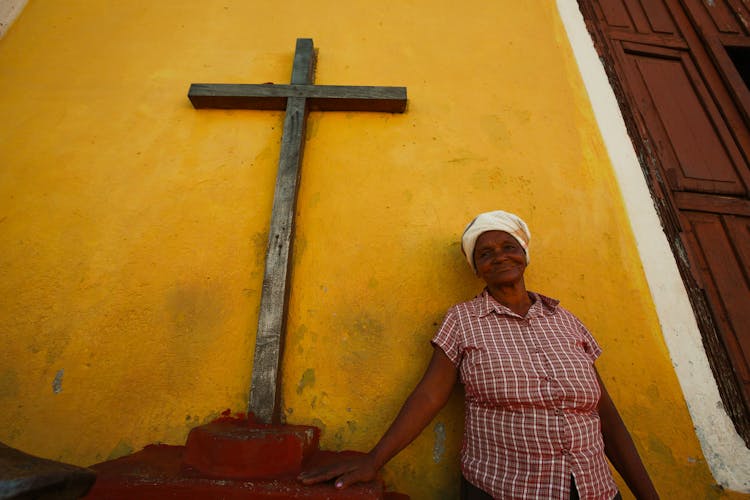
494,221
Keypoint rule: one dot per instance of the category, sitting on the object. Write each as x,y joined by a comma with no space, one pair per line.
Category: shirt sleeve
590,345
447,337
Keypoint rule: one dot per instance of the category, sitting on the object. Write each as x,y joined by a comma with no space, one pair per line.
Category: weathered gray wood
274,300
297,99
264,391
303,68
320,97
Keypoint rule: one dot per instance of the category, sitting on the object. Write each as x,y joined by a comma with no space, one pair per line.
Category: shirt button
564,451
558,411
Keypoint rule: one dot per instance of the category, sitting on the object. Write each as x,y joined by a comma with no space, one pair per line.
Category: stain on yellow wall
133,227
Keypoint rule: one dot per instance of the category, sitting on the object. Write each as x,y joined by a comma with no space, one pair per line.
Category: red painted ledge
229,458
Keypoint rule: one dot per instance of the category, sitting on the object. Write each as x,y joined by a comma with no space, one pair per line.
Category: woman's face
499,258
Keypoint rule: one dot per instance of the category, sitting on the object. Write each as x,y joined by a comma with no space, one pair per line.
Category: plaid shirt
531,399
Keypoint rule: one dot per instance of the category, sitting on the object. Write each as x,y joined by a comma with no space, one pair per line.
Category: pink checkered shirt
531,398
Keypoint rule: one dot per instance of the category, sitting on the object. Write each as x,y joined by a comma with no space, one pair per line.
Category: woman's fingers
346,473
325,473
359,475
321,474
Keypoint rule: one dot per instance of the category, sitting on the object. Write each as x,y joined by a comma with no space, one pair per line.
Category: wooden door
681,70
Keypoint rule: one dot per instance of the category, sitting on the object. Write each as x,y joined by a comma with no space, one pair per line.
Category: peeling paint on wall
307,380
438,450
121,449
57,383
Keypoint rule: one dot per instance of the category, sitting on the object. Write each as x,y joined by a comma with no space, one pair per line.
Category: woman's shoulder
548,304
552,306
471,307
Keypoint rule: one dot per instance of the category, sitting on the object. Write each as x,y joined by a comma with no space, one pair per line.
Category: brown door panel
718,253
689,135
718,17
643,16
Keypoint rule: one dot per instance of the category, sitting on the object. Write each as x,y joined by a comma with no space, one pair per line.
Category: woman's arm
420,407
620,449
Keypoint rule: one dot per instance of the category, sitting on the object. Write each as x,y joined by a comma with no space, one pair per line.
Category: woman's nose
498,256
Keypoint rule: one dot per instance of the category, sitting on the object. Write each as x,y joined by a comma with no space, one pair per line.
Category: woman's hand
346,471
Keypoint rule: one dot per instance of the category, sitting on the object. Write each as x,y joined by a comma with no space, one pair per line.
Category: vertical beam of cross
265,384
297,99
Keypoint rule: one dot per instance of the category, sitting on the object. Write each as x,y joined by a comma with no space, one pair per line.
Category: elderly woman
539,420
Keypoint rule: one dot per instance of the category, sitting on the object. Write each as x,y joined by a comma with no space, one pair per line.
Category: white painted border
726,453
9,12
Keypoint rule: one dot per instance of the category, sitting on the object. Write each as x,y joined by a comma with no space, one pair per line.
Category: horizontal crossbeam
319,97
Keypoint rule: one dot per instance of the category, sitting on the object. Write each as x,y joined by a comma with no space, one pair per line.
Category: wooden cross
297,99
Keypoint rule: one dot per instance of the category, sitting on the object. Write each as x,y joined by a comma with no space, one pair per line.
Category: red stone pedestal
242,449
228,458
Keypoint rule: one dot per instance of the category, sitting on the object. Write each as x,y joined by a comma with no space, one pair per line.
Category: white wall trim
725,451
9,11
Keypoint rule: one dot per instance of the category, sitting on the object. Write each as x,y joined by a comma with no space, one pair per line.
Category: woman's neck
514,297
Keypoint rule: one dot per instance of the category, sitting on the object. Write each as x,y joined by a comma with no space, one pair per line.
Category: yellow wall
133,227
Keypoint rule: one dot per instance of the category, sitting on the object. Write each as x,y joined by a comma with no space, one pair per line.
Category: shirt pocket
500,378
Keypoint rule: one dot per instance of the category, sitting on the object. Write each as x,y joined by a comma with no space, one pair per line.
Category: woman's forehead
494,236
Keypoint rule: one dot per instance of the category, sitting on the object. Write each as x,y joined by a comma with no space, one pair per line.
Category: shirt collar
542,305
